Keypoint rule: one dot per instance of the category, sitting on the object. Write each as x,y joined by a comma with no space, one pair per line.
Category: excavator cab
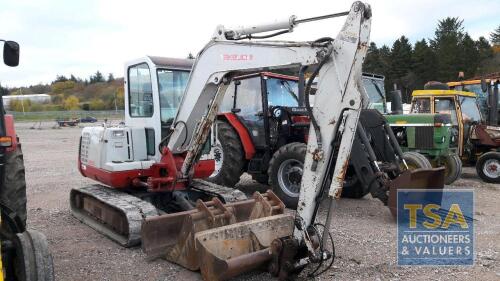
153,90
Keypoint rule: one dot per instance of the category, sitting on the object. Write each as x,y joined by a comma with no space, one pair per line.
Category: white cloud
80,37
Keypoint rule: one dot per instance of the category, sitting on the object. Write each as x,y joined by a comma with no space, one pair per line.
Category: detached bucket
173,235
414,179
228,251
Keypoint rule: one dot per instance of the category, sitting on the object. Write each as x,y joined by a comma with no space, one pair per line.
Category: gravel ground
364,233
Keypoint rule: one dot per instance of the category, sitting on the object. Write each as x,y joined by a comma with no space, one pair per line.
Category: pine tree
60,78
484,48
73,78
385,61
446,45
96,78
495,36
111,78
424,63
400,66
469,56
372,63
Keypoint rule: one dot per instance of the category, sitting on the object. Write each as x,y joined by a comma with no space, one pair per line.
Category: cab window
421,105
446,106
470,111
282,92
140,92
171,85
249,98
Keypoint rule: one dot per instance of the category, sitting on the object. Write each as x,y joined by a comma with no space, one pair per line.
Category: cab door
447,105
142,112
248,108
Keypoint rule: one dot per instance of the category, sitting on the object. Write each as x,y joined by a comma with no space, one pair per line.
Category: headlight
118,133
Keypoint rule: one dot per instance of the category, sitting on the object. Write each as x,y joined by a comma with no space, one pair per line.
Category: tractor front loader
153,166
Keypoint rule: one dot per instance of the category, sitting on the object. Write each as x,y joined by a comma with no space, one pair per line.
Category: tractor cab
477,142
486,91
254,97
461,106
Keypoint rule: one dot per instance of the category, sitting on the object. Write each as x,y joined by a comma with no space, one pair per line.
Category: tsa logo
435,227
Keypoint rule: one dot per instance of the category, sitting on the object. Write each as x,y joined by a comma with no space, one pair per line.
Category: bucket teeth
173,235
230,250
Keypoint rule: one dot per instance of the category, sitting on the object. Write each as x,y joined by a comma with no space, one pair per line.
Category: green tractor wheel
415,160
453,168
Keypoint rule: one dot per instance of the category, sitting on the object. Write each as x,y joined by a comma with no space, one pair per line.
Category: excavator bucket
172,236
414,179
228,251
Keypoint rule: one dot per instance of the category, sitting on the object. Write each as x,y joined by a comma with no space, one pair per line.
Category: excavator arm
339,98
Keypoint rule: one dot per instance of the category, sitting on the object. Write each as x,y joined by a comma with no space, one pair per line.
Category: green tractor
475,143
431,135
428,134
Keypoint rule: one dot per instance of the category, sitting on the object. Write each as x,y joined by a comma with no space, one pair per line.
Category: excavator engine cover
173,235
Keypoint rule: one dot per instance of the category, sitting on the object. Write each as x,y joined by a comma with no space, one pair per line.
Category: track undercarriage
119,215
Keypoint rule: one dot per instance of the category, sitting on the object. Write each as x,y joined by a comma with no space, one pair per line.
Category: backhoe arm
221,59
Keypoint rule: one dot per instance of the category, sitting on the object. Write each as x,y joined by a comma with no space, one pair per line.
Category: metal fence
53,115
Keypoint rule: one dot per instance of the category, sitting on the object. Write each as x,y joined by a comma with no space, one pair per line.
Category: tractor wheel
261,178
453,168
285,172
352,186
488,167
415,160
13,192
228,156
32,259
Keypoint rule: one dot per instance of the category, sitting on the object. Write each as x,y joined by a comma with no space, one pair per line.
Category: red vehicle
24,253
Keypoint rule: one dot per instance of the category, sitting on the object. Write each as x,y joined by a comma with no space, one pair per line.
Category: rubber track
134,209
226,194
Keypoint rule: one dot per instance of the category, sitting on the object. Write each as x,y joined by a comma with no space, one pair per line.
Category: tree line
72,93
441,58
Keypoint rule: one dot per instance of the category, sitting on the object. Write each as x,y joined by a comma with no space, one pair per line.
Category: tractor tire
285,172
32,259
261,178
232,156
352,186
488,167
453,168
415,160
13,193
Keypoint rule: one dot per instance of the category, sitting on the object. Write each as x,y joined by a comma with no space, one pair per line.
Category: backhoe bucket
228,251
173,235
414,179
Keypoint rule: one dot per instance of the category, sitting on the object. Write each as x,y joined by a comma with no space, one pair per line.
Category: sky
60,37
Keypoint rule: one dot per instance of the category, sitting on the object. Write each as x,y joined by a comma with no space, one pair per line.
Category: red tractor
263,127
24,253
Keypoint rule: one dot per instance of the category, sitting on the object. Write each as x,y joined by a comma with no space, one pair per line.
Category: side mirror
11,53
484,85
